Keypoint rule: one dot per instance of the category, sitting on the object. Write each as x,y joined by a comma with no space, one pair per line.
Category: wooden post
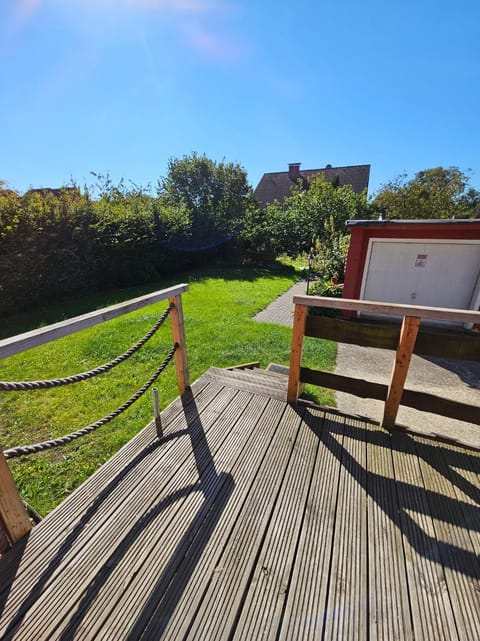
178,332
12,513
156,412
408,335
299,319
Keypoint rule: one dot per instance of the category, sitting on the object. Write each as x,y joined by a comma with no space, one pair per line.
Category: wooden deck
254,519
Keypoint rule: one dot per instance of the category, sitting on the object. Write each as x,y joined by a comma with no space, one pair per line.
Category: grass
220,331
300,263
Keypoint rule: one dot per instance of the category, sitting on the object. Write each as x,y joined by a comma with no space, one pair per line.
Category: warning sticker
421,260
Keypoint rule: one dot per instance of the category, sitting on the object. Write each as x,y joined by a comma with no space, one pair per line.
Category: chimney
294,171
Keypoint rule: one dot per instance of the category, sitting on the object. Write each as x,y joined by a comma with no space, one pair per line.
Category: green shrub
55,243
330,287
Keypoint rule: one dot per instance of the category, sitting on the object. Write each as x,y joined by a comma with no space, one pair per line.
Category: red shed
419,262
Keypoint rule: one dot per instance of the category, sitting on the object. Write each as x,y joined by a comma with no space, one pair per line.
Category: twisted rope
63,440
25,386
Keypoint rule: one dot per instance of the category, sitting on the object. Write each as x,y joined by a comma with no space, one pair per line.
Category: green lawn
220,331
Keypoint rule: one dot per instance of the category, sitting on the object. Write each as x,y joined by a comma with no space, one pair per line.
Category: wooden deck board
466,485
305,608
432,613
264,601
254,519
389,607
229,575
459,558
346,614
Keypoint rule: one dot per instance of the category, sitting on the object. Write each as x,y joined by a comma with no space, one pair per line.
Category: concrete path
458,380
280,311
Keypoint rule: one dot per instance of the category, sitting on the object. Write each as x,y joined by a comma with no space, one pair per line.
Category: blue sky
120,86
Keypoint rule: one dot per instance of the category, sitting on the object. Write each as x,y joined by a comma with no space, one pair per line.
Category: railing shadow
467,371
13,559
170,586
411,498
171,583
14,562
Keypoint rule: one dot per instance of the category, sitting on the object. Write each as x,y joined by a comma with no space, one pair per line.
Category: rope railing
14,520
26,386
25,450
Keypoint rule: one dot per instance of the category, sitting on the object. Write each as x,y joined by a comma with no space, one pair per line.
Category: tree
306,218
211,199
330,254
432,193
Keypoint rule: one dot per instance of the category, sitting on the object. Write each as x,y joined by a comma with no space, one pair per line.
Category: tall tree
212,198
432,193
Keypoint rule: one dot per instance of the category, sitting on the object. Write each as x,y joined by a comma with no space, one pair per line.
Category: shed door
441,274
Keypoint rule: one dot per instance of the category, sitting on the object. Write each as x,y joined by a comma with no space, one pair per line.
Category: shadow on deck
254,519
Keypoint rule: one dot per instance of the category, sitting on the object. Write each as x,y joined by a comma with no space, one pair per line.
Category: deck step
283,371
277,370
256,381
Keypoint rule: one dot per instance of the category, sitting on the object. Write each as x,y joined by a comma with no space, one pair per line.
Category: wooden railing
406,340
14,522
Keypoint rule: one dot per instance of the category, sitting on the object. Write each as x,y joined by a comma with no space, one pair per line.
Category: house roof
54,191
4,193
278,184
